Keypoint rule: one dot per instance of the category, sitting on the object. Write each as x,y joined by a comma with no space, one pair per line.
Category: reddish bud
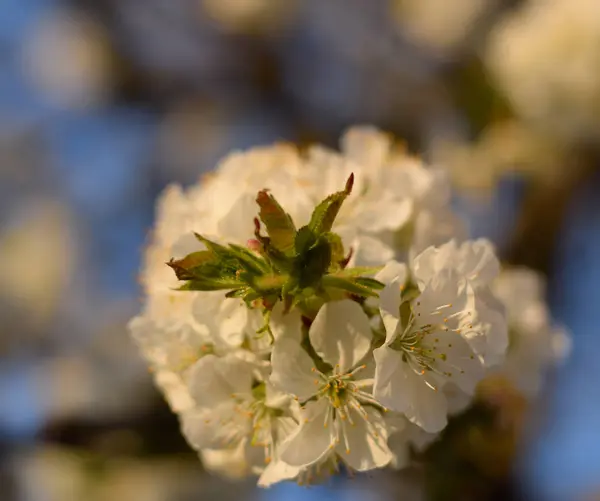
253,245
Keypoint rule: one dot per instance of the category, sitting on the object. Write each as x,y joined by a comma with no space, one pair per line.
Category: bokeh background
104,102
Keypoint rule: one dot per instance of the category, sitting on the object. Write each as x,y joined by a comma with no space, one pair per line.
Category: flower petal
287,325
488,332
394,276
429,407
367,441
278,471
478,262
390,379
231,462
292,369
432,260
455,359
232,320
369,251
174,390
214,427
237,225
213,380
341,333
367,146
312,440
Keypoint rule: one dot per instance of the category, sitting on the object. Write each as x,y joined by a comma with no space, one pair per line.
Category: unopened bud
253,244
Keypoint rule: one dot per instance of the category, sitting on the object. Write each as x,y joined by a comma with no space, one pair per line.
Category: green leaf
369,282
337,249
304,240
266,283
210,285
348,285
183,268
276,258
280,228
251,261
324,215
358,271
314,263
216,248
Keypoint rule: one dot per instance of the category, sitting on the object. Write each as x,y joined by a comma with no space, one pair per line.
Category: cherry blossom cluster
313,311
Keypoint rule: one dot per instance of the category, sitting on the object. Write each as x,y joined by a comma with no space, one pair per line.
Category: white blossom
543,57
535,343
475,266
339,415
424,347
295,385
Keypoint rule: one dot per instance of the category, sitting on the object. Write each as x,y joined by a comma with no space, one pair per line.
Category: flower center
420,347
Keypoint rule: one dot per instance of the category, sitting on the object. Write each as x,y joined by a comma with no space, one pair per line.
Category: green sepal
314,263
358,271
304,240
324,215
183,268
280,228
348,285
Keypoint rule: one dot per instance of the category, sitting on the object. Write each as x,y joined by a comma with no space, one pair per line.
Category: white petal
457,399
394,276
432,260
478,262
232,321
292,369
341,333
213,428
274,398
287,325
369,251
237,225
366,146
489,333
436,227
313,439
400,389
384,214
390,379
444,296
367,442
278,471
429,407
213,380
393,271
230,463
174,389
455,359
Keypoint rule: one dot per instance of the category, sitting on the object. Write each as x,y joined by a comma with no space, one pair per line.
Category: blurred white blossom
544,58
67,59
536,344
440,26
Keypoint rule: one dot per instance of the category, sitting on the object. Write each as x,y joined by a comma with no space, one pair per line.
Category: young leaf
280,227
267,283
358,271
210,285
305,239
337,249
314,263
251,261
183,268
371,283
348,285
324,215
